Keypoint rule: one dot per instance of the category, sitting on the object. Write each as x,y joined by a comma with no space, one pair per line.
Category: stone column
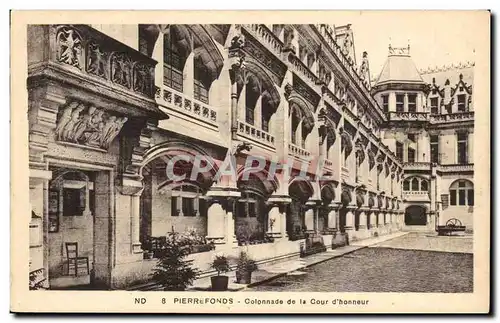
135,205
349,221
220,222
332,218
362,224
373,220
277,216
310,215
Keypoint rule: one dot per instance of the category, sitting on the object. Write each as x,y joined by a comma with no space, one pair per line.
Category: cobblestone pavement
387,267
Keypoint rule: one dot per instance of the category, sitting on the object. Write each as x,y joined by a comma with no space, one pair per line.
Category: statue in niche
69,128
64,119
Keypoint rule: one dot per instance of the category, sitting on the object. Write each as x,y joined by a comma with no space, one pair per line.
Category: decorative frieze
87,125
262,55
96,54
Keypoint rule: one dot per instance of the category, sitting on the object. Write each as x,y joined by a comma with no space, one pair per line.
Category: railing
413,195
408,116
417,166
298,151
186,105
92,53
255,133
455,168
303,70
266,36
460,116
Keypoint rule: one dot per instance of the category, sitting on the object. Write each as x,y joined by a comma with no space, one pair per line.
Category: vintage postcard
250,162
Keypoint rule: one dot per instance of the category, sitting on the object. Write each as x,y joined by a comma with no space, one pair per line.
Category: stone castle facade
111,106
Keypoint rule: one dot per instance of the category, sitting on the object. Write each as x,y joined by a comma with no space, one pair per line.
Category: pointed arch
300,189
267,84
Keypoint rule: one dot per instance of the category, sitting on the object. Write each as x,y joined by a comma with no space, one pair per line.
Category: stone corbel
42,117
134,142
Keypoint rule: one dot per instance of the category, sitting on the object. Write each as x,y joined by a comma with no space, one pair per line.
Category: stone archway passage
415,215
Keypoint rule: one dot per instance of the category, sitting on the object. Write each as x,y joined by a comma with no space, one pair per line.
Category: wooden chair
74,261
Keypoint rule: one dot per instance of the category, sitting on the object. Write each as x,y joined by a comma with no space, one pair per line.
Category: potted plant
221,265
173,272
244,269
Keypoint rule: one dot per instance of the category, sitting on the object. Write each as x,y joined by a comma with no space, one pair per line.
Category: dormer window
434,106
461,103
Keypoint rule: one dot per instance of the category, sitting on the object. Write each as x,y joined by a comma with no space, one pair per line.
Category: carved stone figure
120,70
113,132
97,61
69,129
64,119
107,129
83,124
69,47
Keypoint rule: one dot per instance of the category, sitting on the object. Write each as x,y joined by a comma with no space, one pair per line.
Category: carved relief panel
87,125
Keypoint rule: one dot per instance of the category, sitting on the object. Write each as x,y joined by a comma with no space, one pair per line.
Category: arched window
252,94
202,80
414,184
424,186
174,58
267,112
346,146
406,185
462,193
295,125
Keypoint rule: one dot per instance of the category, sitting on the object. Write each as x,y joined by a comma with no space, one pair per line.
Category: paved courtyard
416,262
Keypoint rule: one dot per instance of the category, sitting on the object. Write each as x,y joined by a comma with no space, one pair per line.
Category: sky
436,38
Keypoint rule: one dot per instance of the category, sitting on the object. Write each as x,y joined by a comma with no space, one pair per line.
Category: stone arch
209,53
252,67
169,149
346,143
327,193
303,109
266,184
300,189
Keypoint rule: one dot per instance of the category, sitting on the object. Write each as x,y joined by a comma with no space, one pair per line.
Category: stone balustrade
254,133
300,68
417,166
266,36
452,117
455,168
298,151
408,116
186,105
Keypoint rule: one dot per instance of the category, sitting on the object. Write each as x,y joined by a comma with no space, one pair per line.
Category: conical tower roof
399,68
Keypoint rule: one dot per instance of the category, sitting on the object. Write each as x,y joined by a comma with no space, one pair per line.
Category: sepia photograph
341,155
